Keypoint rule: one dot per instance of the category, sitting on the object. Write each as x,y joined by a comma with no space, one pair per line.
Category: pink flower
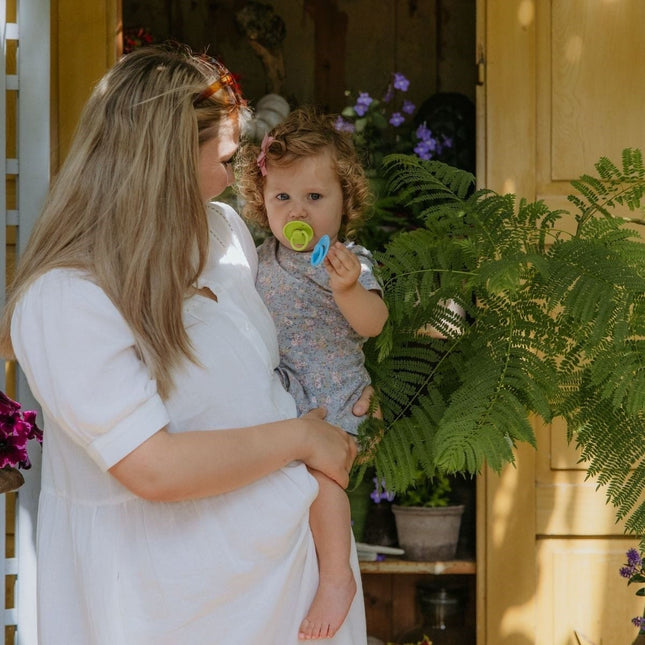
16,430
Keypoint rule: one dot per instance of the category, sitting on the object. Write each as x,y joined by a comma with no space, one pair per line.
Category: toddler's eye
282,197
315,196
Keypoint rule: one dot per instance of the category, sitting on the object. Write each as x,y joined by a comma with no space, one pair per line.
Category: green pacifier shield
299,234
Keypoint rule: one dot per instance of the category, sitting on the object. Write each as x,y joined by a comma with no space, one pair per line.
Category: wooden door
86,39
561,87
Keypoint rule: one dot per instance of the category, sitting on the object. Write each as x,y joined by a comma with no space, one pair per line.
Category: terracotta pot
428,534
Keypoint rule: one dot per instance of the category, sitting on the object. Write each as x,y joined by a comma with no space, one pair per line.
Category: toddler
305,182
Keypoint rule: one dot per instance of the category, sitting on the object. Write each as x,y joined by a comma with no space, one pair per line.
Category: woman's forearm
189,465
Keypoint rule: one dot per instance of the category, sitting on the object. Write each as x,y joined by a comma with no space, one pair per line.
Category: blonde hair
126,206
305,132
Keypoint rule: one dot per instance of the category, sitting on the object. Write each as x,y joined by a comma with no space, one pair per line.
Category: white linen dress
113,569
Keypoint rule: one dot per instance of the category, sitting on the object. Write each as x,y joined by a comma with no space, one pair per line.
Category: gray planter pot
428,534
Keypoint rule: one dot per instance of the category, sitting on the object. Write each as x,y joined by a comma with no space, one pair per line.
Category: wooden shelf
391,565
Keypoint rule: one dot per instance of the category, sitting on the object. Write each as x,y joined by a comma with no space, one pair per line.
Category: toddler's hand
342,266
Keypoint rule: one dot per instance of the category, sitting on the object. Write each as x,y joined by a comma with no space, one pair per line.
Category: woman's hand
362,406
331,450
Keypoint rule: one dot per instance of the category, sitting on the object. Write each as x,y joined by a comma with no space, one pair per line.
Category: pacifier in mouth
298,234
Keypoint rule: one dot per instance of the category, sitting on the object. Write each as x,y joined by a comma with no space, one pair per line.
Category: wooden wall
331,45
84,45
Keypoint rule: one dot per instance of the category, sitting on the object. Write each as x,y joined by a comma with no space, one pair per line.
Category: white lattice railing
24,117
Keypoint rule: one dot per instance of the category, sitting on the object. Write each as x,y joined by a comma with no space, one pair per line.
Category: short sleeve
367,278
81,363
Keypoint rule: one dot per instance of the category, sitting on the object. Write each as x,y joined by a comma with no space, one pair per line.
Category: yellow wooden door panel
567,502
596,48
588,85
579,590
561,89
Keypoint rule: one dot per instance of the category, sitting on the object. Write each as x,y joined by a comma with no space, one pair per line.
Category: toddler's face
307,190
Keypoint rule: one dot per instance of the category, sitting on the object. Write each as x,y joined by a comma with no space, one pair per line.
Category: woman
175,493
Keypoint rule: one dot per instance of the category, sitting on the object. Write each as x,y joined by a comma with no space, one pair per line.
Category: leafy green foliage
554,326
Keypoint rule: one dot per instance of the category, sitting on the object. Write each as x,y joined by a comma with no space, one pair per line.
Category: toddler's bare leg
329,518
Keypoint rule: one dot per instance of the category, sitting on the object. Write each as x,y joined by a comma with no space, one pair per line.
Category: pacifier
320,250
298,234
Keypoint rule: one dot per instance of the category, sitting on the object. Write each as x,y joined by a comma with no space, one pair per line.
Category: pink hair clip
262,157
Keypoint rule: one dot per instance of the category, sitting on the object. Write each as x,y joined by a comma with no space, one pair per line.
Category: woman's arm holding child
364,310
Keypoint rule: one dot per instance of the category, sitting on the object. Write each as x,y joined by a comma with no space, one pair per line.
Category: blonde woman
175,489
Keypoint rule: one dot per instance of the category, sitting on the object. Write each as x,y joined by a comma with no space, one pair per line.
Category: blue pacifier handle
320,250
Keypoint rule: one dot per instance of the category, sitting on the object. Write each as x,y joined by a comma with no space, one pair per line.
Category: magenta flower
7,406
400,82
16,430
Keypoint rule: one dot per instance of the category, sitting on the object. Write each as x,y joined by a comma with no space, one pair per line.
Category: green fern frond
599,195
554,326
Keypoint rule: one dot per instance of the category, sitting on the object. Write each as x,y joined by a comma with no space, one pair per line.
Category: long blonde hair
126,206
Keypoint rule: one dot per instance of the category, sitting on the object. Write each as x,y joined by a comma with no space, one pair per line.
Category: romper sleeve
80,360
367,278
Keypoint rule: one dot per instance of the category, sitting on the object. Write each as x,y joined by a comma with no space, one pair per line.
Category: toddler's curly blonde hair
305,132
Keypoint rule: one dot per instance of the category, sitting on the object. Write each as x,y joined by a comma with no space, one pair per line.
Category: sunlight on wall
509,186
526,13
573,49
504,503
514,621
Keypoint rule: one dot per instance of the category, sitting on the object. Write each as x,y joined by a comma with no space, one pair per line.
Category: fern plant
555,327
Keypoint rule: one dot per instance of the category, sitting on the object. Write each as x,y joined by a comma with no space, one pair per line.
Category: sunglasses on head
226,80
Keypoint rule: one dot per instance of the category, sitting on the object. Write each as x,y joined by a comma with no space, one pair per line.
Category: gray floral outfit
321,356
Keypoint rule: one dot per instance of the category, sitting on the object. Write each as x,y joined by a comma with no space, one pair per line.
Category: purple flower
389,94
343,126
400,82
633,558
380,493
362,103
396,119
423,132
639,621
408,107
626,572
424,150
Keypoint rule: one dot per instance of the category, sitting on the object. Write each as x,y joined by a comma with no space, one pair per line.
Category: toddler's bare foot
329,607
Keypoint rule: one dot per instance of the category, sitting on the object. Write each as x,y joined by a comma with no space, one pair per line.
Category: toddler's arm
364,310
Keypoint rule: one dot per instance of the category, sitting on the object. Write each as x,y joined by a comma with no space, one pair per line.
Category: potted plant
17,428
555,326
427,519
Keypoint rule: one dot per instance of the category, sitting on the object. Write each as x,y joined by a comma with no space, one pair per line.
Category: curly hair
305,132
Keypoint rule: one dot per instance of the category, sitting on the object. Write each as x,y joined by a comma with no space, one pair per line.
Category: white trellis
27,22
